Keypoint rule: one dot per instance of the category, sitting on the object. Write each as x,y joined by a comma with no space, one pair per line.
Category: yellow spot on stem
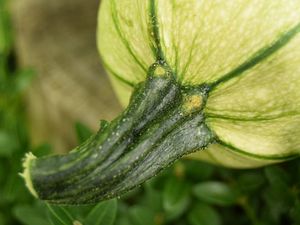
192,103
159,71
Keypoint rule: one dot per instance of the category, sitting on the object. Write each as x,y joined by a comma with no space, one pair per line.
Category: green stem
163,122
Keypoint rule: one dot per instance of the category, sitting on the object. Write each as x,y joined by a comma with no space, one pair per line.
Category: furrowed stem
163,122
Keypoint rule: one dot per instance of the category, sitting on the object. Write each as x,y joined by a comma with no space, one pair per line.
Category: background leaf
215,193
203,214
28,214
250,181
8,144
60,215
102,213
82,131
140,215
175,197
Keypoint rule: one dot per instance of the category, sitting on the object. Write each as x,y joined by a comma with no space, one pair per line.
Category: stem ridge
162,123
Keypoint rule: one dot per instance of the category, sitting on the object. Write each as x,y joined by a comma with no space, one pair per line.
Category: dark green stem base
163,122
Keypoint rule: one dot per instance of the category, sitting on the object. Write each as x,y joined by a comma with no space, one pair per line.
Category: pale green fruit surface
247,50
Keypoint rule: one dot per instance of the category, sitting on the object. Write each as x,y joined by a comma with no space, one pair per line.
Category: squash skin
261,40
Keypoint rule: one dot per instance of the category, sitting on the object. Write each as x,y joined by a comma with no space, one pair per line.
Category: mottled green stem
163,122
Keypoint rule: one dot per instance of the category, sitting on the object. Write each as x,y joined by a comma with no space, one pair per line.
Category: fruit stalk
163,122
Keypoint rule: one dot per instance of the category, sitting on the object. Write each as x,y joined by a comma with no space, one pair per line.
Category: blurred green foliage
189,192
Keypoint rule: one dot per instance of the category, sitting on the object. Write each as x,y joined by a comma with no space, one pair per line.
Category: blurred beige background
57,39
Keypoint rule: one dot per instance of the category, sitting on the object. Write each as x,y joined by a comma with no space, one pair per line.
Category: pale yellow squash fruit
248,50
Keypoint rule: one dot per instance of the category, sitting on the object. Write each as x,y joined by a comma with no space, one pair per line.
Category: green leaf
80,212
295,215
82,131
198,170
8,144
123,221
250,181
23,79
277,177
60,215
215,193
203,214
30,215
175,197
123,215
41,150
132,193
2,218
152,198
103,213
140,215
276,204
13,189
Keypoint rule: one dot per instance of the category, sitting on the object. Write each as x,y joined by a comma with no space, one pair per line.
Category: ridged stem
163,122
